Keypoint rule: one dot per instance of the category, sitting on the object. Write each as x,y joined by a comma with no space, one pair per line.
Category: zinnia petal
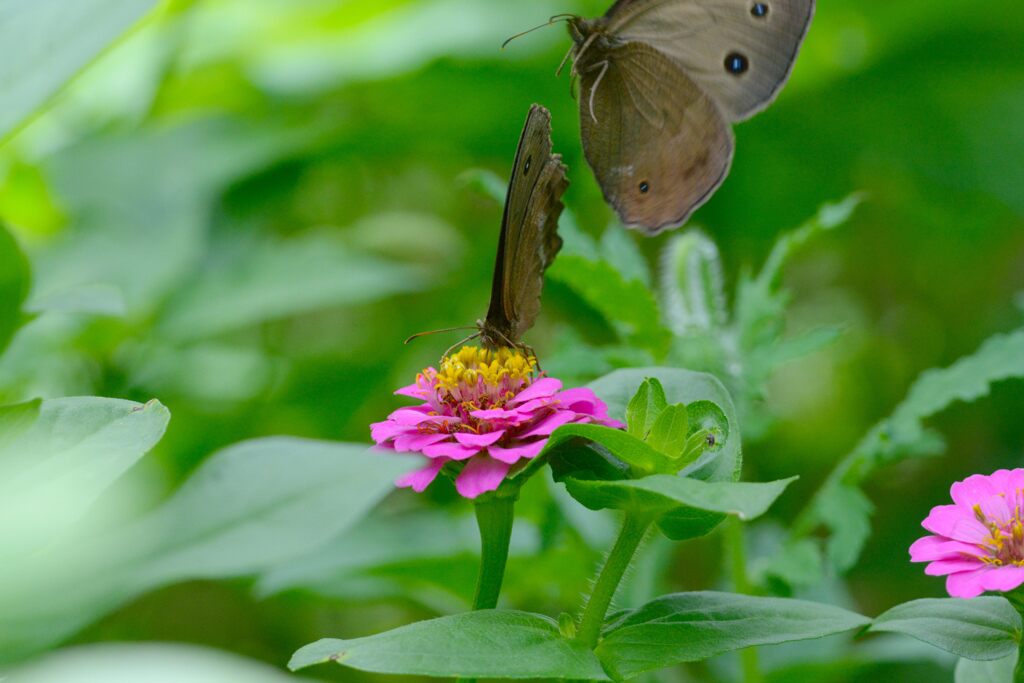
966,584
514,454
550,424
932,548
479,440
417,441
960,564
419,480
542,388
956,523
480,475
1002,578
450,449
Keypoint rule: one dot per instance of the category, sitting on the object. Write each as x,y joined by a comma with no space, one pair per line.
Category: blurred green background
244,206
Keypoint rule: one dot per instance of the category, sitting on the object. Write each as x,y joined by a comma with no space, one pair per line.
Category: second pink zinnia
979,540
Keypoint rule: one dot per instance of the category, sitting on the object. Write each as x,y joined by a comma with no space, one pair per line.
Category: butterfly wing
657,143
739,51
529,237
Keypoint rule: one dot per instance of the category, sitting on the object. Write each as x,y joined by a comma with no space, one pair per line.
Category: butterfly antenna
447,329
553,20
460,342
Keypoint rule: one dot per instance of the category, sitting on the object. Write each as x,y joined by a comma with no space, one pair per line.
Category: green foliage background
243,207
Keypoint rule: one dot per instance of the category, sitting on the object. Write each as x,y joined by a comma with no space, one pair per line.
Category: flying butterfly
529,237
660,83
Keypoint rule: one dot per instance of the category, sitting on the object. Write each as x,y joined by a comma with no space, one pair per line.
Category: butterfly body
660,83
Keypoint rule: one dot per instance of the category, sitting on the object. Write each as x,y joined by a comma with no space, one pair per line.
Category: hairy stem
737,550
494,517
633,530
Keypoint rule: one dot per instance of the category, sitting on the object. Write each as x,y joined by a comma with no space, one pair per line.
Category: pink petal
582,400
413,391
972,490
419,480
417,441
495,414
514,454
943,567
382,431
449,449
479,440
545,386
1003,578
956,523
536,404
415,416
550,424
966,584
932,548
1008,481
479,476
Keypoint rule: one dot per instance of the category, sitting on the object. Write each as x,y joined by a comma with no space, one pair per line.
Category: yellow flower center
1005,543
467,366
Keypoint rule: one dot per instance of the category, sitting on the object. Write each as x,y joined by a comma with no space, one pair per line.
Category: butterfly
529,239
661,82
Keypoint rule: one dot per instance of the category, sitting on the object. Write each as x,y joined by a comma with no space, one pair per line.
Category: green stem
737,550
494,517
1016,599
633,530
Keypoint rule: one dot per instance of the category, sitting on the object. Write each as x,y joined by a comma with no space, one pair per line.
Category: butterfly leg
459,343
593,90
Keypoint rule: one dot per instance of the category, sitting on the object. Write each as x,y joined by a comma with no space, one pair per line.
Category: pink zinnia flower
979,540
487,410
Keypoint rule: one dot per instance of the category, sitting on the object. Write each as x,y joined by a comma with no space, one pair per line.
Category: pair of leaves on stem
683,627
670,630
640,470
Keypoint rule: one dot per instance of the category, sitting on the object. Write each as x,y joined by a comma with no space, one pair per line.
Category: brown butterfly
529,237
660,83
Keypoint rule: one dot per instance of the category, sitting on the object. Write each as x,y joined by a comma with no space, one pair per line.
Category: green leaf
680,499
139,661
829,217
618,247
273,279
670,431
689,627
692,290
15,280
980,628
484,644
86,299
847,513
681,386
627,305
246,508
622,445
64,460
993,671
644,408
14,420
707,418
839,505
759,303
46,43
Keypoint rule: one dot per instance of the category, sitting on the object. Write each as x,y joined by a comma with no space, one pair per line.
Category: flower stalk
494,517
634,528
1016,599
736,545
